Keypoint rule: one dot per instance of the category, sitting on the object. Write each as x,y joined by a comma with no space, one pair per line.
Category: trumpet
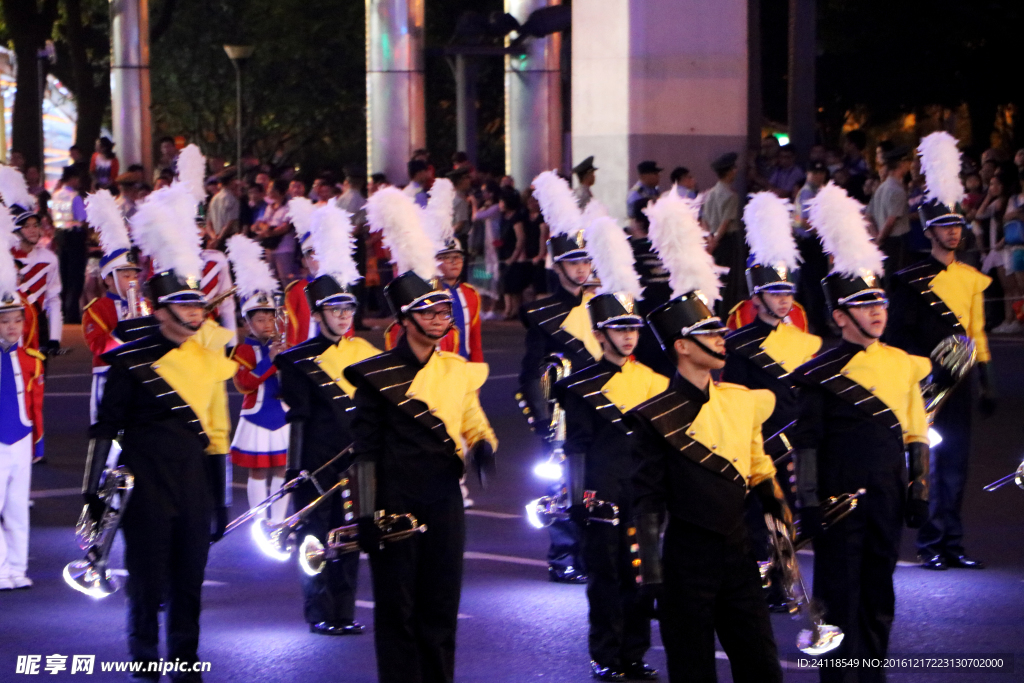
275,540
137,305
313,556
280,319
833,511
546,510
91,575
957,355
1016,477
213,303
821,637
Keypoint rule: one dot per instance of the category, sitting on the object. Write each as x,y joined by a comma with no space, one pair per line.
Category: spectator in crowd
252,209
222,217
918,245
986,172
34,181
881,149
325,189
104,166
353,193
1018,161
460,161
515,267
419,175
684,182
507,181
834,161
761,161
974,194
888,211
163,180
814,263
535,239
461,213
378,181
854,163
646,188
277,235
17,160
128,192
818,152
586,174
168,161
817,176
263,180
69,219
80,166
786,178
721,217
1002,203
296,188
485,271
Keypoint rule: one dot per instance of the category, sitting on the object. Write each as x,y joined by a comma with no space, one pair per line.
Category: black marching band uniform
701,454
320,409
557,324
413,425
166,405
862,421
599,446
930,303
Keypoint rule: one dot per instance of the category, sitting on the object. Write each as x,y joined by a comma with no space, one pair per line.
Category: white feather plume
839,220
940,164
14,189
7,228
677,236
252,272
393,214
192,172
769,224
608,245
441,212
164,229
8,268
105,216
300,213
593,211
558,204
333,242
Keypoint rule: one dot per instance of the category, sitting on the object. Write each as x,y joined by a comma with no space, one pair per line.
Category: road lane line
55,493
369,604
495,515
508,559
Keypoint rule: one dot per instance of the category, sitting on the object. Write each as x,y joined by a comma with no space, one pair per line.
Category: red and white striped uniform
41,286
215,281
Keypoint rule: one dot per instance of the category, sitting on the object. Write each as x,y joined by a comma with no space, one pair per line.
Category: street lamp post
238,54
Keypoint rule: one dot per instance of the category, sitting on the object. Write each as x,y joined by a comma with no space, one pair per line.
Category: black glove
95,463
50,347
482,455
772,502
96,506
579,515
986,398
370,535
811,522
649,597
220,523
291,474
916,513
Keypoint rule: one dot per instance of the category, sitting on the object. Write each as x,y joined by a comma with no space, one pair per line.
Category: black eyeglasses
428,315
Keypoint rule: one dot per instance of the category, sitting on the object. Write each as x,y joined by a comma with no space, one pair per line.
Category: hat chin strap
427,334
856,323
187,326
705,348
615,347
768,309
330,328
561,268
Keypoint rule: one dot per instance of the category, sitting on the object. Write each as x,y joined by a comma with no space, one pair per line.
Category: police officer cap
584,167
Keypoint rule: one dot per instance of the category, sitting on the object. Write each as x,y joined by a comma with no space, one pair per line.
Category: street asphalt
515,626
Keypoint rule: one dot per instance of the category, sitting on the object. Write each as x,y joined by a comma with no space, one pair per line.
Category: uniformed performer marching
260,443
701,452
301,325
599,446
862,422
319,401
932,301
417,415
558,324
165,401
119,268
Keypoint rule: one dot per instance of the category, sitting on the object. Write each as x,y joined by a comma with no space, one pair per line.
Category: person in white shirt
222,216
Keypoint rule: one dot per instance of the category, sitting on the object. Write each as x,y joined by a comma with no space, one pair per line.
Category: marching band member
319,400
119,268
39,270
261,437
165,401
600,446
301,325
933,300
21,423
417,414
746,312
862,422
700,449
215,282
558,324
464,338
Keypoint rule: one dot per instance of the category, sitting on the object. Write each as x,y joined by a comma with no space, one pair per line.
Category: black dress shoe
567,575
605,673
640,671
337,628
935,563
963,562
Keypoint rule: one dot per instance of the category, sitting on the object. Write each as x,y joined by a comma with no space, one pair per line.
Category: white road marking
368,604
67,394
495,515
55,493
508,559
510,376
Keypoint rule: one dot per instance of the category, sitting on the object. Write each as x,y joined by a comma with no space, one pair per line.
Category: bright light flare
263,542
310,545
548,471
531,514
934,438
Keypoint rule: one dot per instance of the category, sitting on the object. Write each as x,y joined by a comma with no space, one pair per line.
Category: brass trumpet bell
88,578
313,556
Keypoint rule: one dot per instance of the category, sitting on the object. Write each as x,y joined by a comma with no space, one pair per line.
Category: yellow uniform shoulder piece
291,284
448,385
761,400
578,324
35,353
790,347
88,305
212,336
893,376
633,385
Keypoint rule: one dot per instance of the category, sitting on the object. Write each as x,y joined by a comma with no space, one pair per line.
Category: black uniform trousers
853,566
620,625
330,595
943,533
417,585
167,540
711,585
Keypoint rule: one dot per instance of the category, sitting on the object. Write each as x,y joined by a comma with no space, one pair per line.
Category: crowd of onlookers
500,224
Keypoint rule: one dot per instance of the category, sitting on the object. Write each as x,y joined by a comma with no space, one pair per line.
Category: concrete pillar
803,115
657,79
129,82
533,101
396,120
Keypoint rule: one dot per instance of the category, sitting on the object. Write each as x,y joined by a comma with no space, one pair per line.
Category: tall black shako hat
14,191
940,165
331,239
677,236
563,216
614,305
413,252
855,278
774,257
164,229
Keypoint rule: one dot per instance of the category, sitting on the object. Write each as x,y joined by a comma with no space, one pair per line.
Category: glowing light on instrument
548,470
311,545
531,514
934,438
264,543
